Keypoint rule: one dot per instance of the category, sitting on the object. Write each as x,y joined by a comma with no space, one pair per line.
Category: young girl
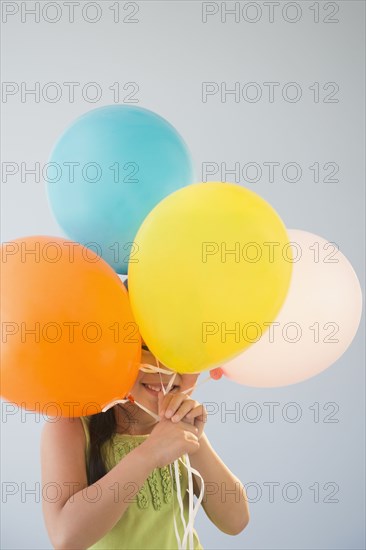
106,478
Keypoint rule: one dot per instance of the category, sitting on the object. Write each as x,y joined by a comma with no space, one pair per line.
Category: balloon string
199,384
192,510
174,518
180,501
112,403
146,367
189,528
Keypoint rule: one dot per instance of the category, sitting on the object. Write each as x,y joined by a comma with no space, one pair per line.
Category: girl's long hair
102,426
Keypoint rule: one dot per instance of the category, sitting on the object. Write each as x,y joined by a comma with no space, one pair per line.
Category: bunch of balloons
215,280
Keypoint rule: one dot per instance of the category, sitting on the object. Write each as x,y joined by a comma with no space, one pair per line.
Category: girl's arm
224,500
76,515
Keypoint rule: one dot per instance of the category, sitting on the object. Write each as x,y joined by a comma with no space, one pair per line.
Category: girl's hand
169,441
179,406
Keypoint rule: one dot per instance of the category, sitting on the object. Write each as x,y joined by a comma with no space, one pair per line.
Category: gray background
169,52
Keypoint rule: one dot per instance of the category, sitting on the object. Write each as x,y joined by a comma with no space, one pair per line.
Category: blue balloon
107,172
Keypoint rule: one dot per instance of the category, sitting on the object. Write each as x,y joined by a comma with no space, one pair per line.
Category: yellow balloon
211,269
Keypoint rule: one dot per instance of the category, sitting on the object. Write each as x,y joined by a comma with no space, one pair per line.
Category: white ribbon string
180,502
146,367
112,403
171,381
176,473
199,384
192,510
170,384
131,400
174,518
189,528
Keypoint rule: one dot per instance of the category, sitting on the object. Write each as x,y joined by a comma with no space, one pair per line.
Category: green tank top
148,521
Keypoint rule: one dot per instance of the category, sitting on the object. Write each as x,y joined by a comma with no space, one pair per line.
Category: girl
112,476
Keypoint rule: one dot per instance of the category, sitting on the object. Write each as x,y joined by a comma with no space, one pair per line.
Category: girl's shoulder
57,433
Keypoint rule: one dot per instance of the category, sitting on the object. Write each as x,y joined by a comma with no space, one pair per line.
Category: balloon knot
216,374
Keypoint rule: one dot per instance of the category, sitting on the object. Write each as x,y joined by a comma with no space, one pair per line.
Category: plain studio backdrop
252,87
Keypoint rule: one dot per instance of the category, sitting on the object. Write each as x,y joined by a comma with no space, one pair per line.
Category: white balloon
316,324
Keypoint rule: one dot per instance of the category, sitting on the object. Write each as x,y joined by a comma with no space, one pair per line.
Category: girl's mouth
153,389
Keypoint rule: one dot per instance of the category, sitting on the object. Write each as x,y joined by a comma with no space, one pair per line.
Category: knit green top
148,521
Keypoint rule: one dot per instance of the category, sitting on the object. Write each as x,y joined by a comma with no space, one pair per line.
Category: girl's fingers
164,402
198,413
191,437
174,403
189,428
165,405
199,416
179,407
199,425
182,411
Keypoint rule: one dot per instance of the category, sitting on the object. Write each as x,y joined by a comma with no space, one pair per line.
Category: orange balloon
69,341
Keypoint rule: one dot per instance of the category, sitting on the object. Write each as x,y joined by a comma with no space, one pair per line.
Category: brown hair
102,426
